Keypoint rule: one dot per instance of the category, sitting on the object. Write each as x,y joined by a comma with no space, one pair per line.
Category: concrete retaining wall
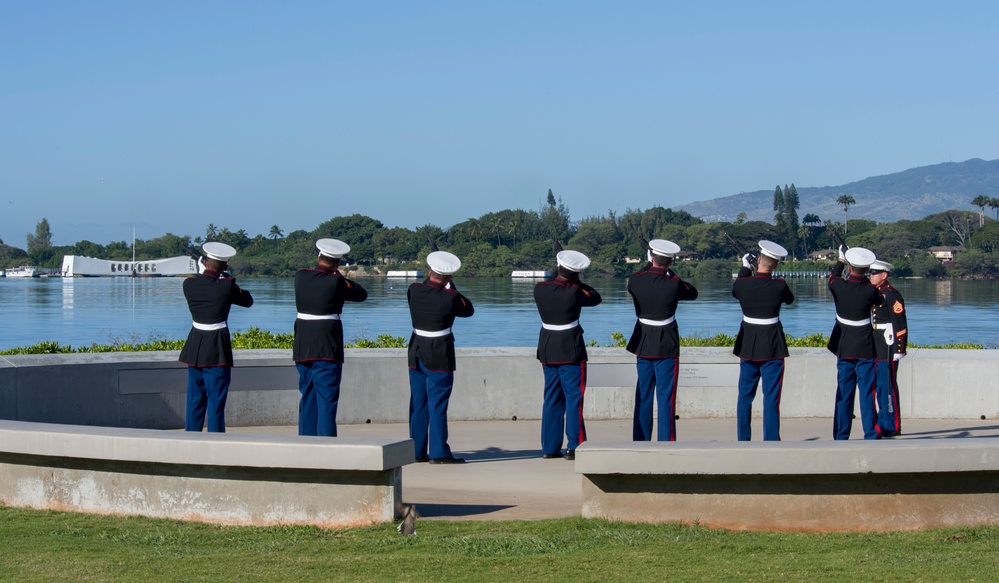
795,486
220,478
148,389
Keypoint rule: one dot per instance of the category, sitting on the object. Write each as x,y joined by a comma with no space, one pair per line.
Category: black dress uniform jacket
432,308
656,291
559,302
320,292
892,312
209,297
854,297
761,296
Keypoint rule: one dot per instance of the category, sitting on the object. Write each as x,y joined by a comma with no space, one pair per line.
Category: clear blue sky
175,114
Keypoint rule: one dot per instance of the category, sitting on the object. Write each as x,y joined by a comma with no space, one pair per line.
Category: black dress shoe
447,460
422,460
551,456
570,454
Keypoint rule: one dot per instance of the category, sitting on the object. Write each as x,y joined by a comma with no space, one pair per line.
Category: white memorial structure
80,266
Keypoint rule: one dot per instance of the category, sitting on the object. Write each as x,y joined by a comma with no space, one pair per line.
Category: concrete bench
795,486
220,478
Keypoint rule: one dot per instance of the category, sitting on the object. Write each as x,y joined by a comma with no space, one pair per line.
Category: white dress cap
881,266
860,257
443,262
772,250
218,251
332,248
664,247
572,260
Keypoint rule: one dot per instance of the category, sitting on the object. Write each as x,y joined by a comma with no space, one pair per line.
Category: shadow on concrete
952,433
492,454
457,510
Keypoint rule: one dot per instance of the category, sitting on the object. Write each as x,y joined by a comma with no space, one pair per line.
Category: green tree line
497,243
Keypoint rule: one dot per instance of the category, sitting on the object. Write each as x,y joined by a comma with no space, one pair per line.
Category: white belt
760,321
557,327
889,332
302,316
856,323
665,322
210,327
431,334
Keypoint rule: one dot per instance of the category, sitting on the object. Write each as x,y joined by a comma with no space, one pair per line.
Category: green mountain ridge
911,194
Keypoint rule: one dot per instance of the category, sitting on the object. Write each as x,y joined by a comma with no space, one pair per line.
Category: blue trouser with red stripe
319,383
657,378
563,406
207,391
750,373
855,374
429,395
889,417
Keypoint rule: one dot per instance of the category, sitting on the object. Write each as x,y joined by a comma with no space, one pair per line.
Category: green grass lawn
56,546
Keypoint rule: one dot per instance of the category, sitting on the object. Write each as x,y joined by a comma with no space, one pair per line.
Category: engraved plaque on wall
709,375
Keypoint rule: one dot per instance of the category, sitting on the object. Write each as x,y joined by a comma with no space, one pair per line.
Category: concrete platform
506,479
232,478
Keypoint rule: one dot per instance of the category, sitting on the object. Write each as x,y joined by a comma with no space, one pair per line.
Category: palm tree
981,201
846,201
211,231
276,232
495,225
994,203
806,232
474,230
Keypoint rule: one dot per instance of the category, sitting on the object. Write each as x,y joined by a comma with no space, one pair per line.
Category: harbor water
84,311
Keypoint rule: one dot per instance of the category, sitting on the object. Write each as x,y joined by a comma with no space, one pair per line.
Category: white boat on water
22,271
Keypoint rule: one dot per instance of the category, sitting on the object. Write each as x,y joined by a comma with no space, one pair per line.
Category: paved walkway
506,479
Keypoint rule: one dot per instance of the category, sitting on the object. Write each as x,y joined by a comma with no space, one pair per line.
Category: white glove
898,356
648,254
842,253
745,261
449,285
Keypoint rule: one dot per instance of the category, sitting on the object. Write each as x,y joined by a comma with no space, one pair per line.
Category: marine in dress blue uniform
318,349
655,341
208,349
852,341
760,344
562,354
891,333
433,306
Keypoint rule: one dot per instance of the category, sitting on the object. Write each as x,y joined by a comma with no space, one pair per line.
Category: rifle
433,244
199,262
199,265
558,249
645,247
838,240
742,251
